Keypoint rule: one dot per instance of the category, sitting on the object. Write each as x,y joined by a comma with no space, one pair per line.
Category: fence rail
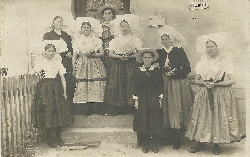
17,134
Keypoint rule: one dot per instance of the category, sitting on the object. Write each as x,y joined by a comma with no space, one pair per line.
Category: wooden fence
18,137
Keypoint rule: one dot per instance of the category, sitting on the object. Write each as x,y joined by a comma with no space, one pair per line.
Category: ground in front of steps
108,149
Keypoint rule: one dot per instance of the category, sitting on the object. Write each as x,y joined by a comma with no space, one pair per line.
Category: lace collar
143,68
169,49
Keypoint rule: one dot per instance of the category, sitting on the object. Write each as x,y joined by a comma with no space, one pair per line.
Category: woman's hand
209,85
69,55
65,95
124,58
170,73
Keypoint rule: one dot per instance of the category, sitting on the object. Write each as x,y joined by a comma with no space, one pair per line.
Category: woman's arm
231,81
101,52
64,86
113,55
199,82
74,61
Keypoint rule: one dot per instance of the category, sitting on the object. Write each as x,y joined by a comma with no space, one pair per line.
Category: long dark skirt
49,108
119,84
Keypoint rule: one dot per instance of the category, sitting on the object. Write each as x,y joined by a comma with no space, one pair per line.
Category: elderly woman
57,33
123,50
89,70
213,116
175,67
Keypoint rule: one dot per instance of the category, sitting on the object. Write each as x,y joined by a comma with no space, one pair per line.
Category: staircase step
115,134
98,121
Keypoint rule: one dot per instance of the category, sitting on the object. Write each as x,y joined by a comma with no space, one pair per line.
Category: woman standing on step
123,49
56,33
50,109
175,67
213,116
148,91
89,70
107,12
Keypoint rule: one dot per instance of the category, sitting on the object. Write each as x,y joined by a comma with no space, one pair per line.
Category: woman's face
107,15
166,41
86,30
125,28
212,49
50,53
58,23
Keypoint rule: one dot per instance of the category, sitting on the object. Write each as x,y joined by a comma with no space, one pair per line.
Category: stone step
125,135
98,121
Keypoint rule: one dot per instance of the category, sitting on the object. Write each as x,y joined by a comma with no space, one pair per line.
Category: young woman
123,50
88,68
107,13
57,33
175,67
213,116
50,109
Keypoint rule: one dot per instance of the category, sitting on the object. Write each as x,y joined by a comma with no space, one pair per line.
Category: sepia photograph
124,78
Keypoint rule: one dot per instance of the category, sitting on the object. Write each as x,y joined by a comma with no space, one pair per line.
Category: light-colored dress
90,72
219,125
119,84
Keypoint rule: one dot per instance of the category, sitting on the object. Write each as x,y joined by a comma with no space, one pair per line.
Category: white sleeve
198,68
61,69
138,44
38,65
112,45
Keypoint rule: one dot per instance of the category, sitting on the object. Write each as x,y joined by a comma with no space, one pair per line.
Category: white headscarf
133,21
96,27
178,40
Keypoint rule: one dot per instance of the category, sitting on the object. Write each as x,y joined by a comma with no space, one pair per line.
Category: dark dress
50,109
67,62
177,92
148,85
106,38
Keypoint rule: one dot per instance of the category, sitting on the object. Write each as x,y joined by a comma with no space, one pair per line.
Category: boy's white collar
143,68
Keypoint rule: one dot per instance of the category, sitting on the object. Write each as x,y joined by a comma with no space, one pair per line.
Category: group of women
100,65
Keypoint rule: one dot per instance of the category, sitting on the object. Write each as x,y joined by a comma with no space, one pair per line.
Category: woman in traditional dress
50,110
107,12
123,49
175,67
213,116
89,70
56,33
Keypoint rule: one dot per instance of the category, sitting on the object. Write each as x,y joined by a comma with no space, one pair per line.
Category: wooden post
4,127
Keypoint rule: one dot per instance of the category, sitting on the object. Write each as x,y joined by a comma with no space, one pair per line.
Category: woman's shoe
145,146
59,141
155,147
176,146
216,149
52,143
197,148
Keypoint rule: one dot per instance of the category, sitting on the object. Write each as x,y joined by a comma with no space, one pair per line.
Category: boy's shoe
216,149
197,148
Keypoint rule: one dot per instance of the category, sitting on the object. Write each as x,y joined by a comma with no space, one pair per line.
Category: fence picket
18,134
5,139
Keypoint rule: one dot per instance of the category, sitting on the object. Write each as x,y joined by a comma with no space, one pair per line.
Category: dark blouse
52,35
177,59
150,80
